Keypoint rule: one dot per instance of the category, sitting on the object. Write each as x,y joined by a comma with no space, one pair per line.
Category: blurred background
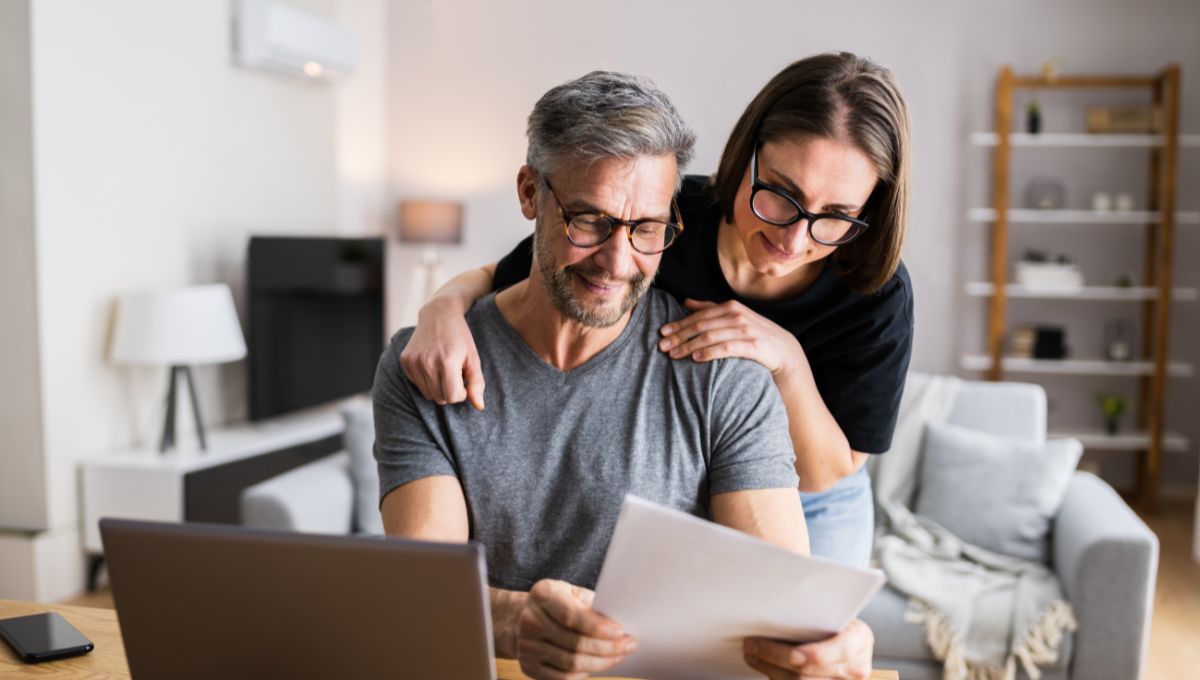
135,154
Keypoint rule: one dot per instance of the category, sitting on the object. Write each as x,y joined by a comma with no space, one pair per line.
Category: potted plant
1033,118
1113,406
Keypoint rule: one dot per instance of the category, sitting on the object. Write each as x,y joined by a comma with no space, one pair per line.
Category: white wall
154,160
465,74
22,484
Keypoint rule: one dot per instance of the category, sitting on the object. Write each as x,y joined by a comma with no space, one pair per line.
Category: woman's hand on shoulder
440,357
730,329
845,655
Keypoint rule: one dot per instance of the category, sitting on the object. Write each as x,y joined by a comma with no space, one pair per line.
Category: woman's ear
527,191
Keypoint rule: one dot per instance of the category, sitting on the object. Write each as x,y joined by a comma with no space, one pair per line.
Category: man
584,408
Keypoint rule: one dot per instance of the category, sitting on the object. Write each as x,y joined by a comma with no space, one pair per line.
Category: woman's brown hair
835,96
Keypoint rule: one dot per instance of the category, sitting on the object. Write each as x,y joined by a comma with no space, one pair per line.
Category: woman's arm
823,454
730,329
440,358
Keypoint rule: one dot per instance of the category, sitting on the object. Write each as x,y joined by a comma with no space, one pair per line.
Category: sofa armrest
1107,559
313,498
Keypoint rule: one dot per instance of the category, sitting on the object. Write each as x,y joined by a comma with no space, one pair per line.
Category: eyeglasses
590,228
775,206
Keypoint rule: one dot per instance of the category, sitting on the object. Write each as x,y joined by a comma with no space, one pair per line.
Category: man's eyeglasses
590,228
775,206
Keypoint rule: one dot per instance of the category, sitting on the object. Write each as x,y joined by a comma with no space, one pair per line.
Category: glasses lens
653,237
831,231
773,207
588,230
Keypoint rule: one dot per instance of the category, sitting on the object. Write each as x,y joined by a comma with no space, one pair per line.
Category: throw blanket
983,613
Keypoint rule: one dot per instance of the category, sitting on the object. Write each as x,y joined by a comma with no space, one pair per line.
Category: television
316,320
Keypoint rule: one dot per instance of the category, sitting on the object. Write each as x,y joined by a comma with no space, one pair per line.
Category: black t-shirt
857,345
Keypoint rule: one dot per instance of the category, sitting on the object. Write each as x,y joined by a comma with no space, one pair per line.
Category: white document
690,591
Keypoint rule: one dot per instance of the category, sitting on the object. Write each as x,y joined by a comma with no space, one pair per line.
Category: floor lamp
429,223
178,328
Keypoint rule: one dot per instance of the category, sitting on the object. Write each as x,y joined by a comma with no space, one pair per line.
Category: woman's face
823,175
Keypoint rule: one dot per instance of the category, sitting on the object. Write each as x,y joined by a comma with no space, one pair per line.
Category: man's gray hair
606,115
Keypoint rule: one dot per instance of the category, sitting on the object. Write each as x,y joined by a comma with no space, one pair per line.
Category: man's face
597,286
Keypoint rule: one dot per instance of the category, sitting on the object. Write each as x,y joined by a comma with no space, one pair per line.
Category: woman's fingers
716,344
709,317
450,380
417,376
473,375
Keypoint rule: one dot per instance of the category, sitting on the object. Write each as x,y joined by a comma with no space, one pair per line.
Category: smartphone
42,637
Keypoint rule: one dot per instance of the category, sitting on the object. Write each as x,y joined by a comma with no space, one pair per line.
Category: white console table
188,484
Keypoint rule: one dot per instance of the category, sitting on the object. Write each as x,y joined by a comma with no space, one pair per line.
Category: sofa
338,494
1104,555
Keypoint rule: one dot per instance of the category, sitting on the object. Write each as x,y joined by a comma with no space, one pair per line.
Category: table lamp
179,328
430,223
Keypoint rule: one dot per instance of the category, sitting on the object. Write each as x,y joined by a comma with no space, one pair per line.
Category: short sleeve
862,377
751,446
515,266
408,445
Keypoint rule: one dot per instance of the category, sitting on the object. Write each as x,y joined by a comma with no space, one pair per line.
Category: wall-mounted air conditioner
279,38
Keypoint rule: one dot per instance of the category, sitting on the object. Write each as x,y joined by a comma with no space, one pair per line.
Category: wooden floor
1175,631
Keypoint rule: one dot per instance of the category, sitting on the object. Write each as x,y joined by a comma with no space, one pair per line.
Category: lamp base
168,434
430,271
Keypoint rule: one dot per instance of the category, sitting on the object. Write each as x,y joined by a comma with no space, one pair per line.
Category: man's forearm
506,616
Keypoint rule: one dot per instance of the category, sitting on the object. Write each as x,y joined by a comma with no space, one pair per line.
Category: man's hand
845,655
560,637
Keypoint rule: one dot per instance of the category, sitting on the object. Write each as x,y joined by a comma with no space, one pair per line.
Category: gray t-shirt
545,467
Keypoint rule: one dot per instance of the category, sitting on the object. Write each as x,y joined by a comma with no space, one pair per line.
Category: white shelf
1080,139
1099,293
230,443
1026,216
982,362
1123,441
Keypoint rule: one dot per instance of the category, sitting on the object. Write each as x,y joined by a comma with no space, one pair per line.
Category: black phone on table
43,637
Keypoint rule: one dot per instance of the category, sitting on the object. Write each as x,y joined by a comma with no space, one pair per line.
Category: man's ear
527,191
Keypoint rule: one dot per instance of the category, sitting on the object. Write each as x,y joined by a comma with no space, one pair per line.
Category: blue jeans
841,521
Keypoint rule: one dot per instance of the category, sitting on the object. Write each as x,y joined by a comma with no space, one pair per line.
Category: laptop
223,601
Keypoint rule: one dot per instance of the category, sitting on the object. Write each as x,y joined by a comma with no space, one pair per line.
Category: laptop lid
222,601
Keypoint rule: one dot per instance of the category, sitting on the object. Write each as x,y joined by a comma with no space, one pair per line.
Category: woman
790,257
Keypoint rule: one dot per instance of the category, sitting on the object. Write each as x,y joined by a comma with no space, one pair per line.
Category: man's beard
562,294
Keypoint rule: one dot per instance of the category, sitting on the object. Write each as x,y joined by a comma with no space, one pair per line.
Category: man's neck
561,342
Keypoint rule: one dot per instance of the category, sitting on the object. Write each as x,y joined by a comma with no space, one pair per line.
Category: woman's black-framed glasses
590,228
773,205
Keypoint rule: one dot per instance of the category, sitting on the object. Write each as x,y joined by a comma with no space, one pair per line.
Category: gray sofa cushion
360,444
998,493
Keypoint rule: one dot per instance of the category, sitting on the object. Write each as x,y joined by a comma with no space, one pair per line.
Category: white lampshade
181,326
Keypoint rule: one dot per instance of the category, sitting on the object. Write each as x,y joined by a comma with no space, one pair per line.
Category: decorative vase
1033,120
1112,424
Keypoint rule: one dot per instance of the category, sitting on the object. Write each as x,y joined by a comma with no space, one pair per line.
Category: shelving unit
982,362
1098,293
1157,292
1026,216
1079,139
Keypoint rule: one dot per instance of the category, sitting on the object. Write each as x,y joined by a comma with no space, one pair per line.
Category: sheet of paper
690,591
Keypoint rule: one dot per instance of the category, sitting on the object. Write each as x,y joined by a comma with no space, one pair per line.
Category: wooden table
98,625
108,659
